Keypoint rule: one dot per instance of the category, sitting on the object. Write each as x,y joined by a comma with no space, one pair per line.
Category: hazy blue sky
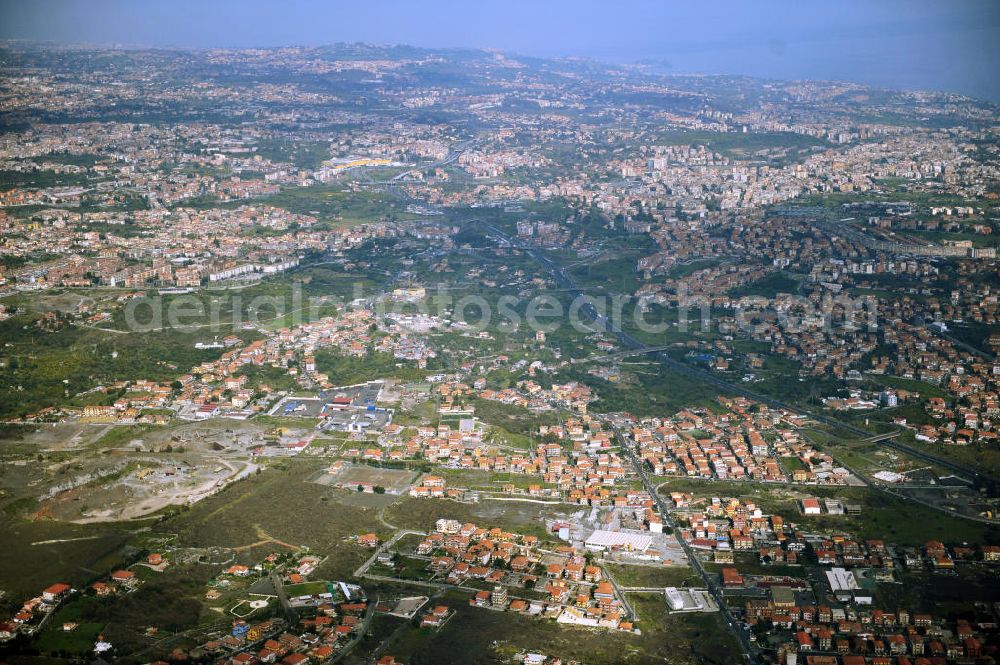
935,44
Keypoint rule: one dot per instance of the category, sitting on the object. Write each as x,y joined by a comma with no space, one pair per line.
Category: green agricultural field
750,564
408,568
334,205
307,155
305,589
792,464
925,389
53,639
656,391
39,179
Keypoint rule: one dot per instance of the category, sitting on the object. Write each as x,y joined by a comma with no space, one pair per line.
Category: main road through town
736,627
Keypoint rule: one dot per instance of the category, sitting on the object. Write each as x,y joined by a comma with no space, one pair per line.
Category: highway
391,185
957,342
452,155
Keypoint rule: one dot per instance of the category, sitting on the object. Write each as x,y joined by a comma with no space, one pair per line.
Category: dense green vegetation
48,368
743,145
306,155
657,391
39,179
346,370
615,275
768,287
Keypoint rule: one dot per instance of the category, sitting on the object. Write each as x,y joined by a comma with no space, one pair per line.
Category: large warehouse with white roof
606,540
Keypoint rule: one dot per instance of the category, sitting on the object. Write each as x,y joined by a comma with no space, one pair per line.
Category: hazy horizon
949,47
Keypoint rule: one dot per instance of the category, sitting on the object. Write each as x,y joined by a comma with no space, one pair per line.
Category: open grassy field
925,389
37,554
515,516
979,455
739,144
652,576
479,636
657,390
749,564
344,370
249,516
615,274
949,595
334,204
280,504
685,269
512,420
493,481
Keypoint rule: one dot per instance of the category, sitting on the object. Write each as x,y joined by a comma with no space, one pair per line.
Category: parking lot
302,407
